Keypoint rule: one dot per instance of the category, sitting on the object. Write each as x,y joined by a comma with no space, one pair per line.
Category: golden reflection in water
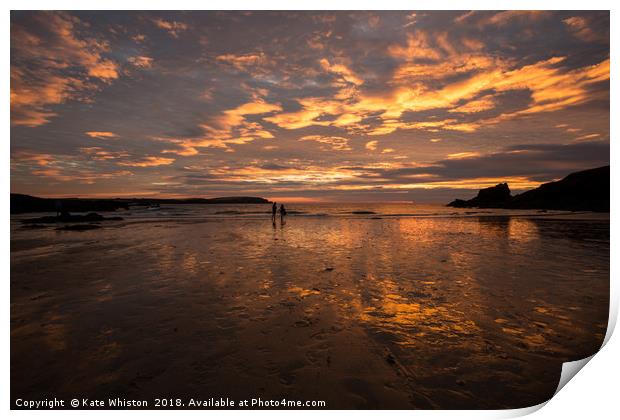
409,319
56,333
190,262
450,304
302,293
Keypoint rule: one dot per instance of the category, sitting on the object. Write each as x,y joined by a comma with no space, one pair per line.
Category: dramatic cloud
55,59
339,105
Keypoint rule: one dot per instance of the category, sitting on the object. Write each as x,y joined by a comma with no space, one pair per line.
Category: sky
305,106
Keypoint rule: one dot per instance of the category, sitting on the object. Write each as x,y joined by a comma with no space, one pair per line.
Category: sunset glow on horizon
305,106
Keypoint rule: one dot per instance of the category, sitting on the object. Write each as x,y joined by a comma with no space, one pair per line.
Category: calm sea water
360,305
294,210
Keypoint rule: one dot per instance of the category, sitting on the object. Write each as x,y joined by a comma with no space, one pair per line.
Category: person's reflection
282,215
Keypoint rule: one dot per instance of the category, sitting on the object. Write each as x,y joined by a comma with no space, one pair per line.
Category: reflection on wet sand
387,313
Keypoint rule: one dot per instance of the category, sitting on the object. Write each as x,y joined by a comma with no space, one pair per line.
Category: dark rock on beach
69,218
580,191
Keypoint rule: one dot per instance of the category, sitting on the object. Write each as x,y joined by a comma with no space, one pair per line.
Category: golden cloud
478,105
148,162
230,127
244,62
346,74
424,81
551,88
98,153
81,176
463,155
36,87
371,145
583,29
103,135
334,142
141,61
41,159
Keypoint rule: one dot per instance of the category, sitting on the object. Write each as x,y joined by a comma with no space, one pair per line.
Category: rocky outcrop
580,191
492,197
585,190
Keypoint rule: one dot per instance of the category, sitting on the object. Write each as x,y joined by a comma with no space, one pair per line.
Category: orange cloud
588,136
104,69
371,145
463,155
38,61
172,27
104,135
478,105
506,17
98,153
334,142
550,86
244,62
148,162
418,47
41,159
472,44
182,151
310,175
230,127
343,71
141,61
583,29
80,176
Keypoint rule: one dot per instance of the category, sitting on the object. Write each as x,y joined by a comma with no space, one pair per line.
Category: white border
593,394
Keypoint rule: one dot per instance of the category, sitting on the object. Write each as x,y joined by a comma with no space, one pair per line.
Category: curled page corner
521,412
569,370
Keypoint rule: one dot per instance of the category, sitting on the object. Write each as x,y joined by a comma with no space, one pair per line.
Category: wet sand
475,312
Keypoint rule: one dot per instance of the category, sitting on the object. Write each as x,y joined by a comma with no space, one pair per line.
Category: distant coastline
22,203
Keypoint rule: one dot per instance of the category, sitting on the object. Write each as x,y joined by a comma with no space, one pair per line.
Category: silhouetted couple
274,209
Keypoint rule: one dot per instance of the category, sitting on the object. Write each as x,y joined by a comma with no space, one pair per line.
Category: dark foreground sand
362,313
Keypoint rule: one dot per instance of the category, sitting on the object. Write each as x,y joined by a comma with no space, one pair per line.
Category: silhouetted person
274,209
282,213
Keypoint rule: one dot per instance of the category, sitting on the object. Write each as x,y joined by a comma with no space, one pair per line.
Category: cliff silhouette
580,191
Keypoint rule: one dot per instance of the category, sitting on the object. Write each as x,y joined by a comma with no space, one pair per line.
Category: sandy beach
360,311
